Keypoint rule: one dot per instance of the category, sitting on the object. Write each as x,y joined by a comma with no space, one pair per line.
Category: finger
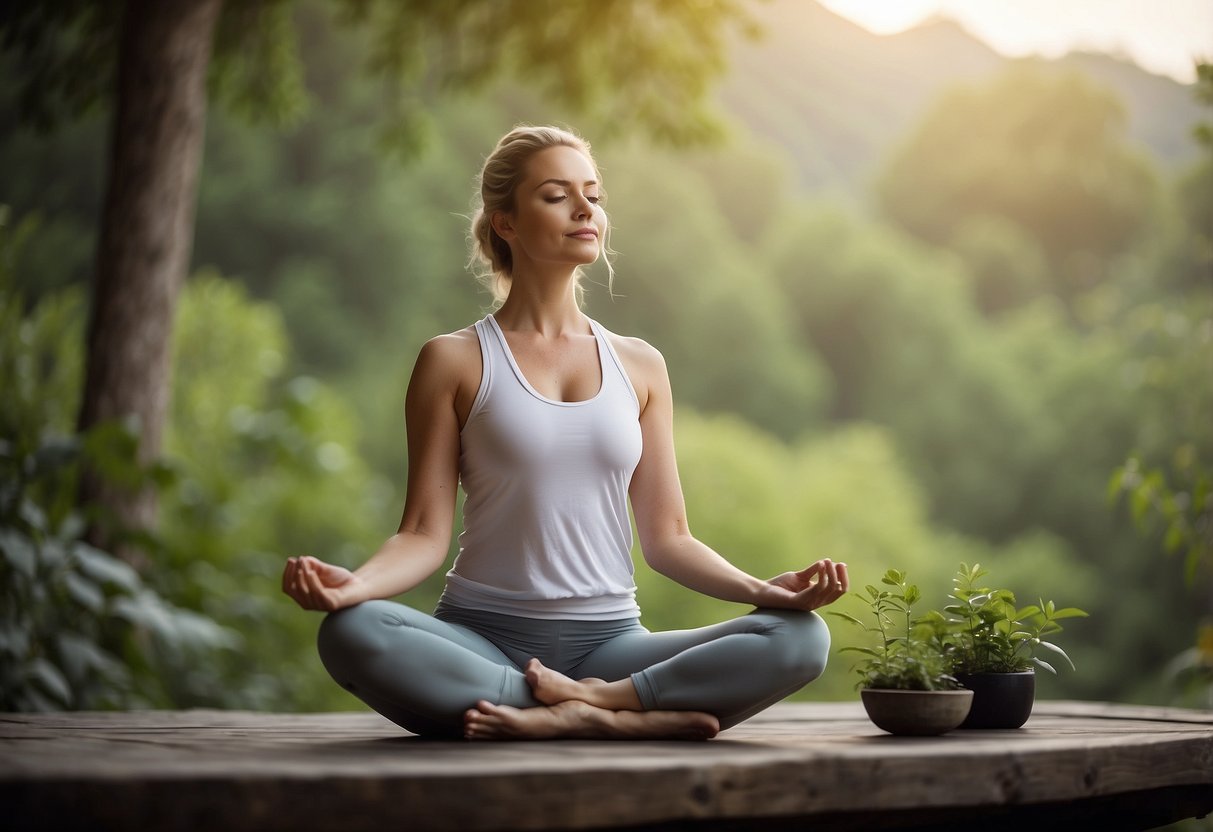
809,571
294,580
813,570
318,592
844,578
303,587
290,576
832,579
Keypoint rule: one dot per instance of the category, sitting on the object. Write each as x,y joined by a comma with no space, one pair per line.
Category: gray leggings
422,671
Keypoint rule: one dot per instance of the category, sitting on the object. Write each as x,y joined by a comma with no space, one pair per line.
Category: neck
543,303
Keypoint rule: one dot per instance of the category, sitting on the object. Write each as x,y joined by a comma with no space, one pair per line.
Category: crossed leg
415,670
686,684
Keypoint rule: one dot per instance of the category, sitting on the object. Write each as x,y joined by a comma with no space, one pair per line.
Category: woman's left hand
817,585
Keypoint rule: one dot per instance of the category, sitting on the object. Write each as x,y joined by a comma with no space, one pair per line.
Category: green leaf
1050,646
1140,504
52,553
81,657
1174,538
33,514
1069,612
84,592
145,610
15,640
40,670
105,568
19,551
867,651
847,617
912,594
1044,664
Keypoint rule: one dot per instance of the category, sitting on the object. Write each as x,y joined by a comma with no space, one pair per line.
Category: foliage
907,655
1191,670
985,632
1052,159
268,468
642,64
256,459
1183,504
79,628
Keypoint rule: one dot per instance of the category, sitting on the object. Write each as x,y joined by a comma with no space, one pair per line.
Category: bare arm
660,511
419,546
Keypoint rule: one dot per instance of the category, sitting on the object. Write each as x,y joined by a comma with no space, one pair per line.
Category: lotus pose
551,423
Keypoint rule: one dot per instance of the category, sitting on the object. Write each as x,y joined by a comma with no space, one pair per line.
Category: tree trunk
145,239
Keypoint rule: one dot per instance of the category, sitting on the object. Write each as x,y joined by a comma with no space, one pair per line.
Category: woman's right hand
316,585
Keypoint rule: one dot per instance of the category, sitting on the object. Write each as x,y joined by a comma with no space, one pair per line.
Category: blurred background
922,302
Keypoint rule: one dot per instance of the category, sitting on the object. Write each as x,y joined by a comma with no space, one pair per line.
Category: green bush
79,628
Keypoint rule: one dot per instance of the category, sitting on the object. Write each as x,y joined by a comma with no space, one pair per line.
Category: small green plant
985,632
909,656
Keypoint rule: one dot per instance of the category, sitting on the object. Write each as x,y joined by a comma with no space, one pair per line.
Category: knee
352,632
803,643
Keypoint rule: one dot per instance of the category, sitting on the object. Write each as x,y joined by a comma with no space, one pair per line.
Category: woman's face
556,217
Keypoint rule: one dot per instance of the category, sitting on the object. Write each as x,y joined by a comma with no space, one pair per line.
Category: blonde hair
491,259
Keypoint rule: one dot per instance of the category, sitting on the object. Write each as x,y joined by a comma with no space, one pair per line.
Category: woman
551,423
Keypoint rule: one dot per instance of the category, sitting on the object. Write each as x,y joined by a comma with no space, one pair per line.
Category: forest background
921,304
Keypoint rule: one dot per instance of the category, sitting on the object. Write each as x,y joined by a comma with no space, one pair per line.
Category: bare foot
552,687
572,718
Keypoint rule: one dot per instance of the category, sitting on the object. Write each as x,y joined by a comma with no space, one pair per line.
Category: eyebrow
566,183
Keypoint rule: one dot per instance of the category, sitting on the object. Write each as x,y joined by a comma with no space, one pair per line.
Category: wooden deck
797,766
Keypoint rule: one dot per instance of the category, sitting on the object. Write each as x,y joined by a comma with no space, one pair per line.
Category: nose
582,208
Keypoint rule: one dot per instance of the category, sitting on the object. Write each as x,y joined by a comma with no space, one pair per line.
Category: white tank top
545,523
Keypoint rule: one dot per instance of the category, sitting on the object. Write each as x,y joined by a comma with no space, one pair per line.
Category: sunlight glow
1161,36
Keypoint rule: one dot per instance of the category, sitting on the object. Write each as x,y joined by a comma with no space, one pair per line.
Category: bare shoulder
448,363
449,352
636,350
644,364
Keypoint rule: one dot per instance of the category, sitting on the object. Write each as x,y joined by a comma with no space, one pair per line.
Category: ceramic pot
1000,700
916,713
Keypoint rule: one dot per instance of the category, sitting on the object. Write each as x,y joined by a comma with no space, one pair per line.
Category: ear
503,225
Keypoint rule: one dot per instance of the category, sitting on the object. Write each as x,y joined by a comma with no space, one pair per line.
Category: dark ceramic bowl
916,713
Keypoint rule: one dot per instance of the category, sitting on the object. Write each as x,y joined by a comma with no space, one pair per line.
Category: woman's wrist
767,594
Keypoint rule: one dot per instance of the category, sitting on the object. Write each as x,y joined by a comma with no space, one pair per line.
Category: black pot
1000,700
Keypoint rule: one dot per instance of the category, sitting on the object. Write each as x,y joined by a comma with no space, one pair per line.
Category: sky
1161,36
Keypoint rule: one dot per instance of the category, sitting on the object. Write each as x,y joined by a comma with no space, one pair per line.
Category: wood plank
820,761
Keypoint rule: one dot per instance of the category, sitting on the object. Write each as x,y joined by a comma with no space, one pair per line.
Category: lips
584,234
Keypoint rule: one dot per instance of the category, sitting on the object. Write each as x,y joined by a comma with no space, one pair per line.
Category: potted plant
991,644
904,680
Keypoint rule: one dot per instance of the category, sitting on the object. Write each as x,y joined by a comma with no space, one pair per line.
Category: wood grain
822,763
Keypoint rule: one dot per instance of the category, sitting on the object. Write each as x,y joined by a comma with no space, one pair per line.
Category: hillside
834,96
